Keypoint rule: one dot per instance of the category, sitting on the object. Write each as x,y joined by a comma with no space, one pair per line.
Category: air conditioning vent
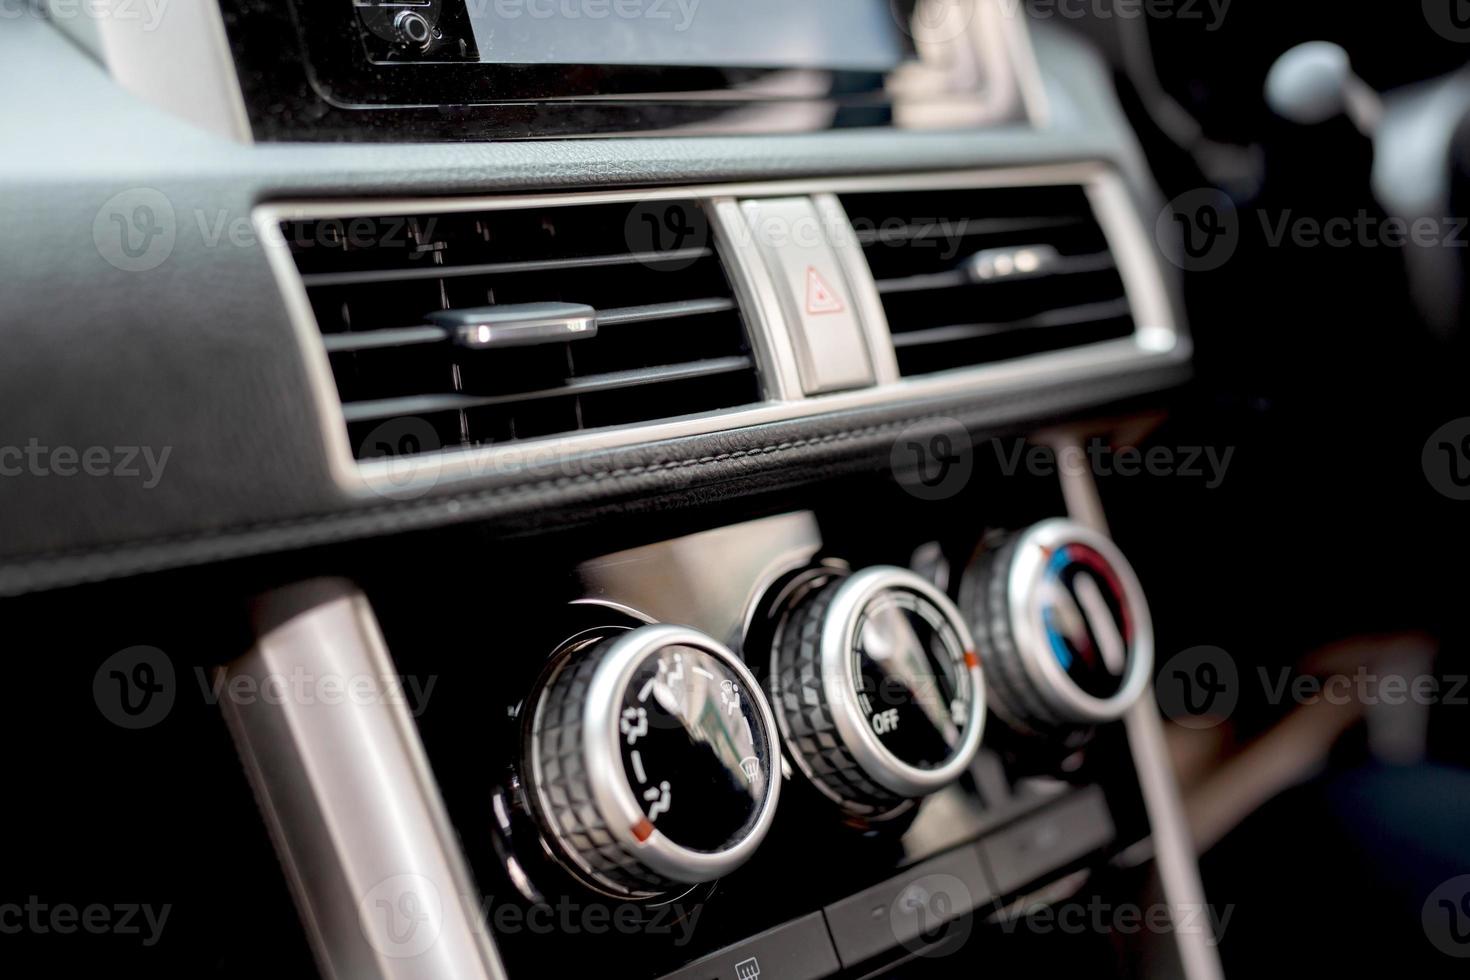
501,325
970,277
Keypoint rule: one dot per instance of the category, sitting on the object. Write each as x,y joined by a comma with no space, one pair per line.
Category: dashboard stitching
324,522
517,490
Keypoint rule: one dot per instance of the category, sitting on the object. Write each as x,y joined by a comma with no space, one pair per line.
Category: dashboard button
1065,625
906,910
877,688
831,347
798,950
652,760
1038,845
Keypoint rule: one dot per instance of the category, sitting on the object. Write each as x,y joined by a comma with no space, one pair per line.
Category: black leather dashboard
197,356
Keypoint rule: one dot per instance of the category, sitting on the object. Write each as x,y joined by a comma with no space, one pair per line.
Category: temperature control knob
651,760
1065,625
877,688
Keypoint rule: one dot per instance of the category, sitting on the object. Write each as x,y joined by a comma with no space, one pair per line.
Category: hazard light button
826,334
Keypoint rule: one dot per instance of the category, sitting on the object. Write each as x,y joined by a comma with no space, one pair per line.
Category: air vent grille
971,277
430,317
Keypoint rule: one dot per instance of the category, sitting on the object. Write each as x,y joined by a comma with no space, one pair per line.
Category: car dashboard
533,488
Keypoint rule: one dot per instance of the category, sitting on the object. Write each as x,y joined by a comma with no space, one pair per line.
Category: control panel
794,747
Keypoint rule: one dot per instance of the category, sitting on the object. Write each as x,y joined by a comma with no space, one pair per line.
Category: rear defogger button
826,332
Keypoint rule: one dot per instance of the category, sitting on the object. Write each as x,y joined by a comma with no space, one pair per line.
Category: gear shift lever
1314,82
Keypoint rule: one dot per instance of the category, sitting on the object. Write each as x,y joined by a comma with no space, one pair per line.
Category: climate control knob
1065,625
876,688
651,760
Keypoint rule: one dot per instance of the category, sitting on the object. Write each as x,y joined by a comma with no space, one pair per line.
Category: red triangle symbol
820,297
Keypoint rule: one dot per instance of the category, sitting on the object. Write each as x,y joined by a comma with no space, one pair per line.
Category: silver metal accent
760,303
348,795
175,56
412,27
816,298
423,272
1174,851
712,580
611,788
1048,679
1018,262
844,243
1158,341
517,324
387,408
840,685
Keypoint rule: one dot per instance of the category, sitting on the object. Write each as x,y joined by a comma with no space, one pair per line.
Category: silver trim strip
349,798
1158,341
864,292
1174,850
712,580
179,60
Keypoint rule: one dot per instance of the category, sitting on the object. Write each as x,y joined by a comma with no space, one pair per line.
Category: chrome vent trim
466,330
974,276
1157,341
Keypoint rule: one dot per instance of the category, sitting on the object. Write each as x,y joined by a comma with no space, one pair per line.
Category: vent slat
651,312
389,408
955,278
338,343
930,230
974,276
393,295
341,343
1067,317
670,257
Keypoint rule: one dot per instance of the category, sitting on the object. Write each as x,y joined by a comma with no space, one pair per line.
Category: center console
798,745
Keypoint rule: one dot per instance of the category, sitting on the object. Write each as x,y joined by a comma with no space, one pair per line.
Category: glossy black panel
913,683
318,72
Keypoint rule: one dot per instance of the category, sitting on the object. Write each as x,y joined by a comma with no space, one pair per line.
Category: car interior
712,490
